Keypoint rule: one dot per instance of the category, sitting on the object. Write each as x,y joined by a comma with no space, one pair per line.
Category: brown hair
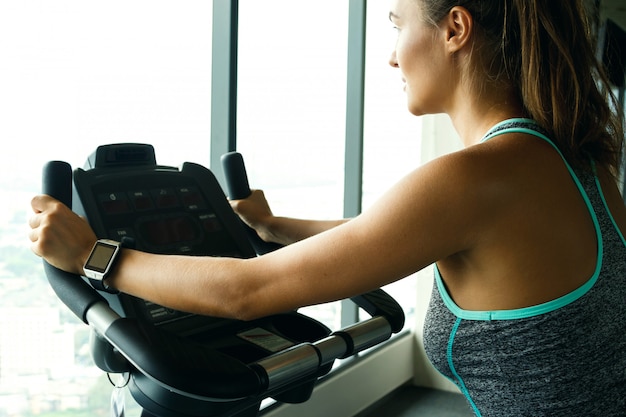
545,49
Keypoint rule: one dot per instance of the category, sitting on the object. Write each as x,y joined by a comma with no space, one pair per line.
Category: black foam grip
236,176
238,188
379,303
56,181
75,293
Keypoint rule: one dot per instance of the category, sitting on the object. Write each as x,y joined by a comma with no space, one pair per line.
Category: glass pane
291,108
391,134
76,75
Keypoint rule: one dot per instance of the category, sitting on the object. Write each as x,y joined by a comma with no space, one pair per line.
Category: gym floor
411,401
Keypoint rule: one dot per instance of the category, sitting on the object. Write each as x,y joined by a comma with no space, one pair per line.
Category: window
291,102
291,109
76,75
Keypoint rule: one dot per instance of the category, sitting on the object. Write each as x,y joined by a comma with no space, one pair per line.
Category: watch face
100,257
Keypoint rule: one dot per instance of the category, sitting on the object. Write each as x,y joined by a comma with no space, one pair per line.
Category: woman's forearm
198,285
287,230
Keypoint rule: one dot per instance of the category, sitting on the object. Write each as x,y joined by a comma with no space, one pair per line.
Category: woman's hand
59,235
256,213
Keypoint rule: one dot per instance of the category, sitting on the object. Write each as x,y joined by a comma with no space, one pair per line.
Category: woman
526,224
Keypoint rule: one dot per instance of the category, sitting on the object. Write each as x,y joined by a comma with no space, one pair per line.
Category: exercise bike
176,363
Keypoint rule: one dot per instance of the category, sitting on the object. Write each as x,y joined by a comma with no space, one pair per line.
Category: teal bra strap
497,130
519,120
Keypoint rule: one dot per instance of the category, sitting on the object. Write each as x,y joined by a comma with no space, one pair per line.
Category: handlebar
70,288
376,303
238,188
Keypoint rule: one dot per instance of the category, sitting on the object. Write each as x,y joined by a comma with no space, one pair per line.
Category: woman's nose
393,60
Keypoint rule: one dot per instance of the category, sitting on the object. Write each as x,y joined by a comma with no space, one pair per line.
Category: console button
142,201
210,222
122,232
192,198
114,203
165,198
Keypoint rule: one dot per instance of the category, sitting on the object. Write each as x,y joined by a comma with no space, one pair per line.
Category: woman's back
562,357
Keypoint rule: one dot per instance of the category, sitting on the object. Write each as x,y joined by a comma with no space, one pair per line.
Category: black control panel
162,210
177,219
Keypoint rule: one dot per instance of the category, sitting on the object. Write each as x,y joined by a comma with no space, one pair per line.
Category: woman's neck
474,114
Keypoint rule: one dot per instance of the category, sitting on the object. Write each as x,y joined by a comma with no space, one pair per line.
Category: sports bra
563,357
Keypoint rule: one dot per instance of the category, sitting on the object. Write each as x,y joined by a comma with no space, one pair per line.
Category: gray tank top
566,357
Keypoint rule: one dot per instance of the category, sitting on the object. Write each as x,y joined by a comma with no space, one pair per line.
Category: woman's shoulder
489,178
513,157
501,162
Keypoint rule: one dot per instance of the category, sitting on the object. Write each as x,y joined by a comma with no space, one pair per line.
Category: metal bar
224,82
290,366
355,105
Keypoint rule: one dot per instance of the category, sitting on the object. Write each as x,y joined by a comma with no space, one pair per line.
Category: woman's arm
256,213
416,223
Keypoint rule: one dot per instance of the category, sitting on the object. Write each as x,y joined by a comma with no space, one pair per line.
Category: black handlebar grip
56,181
236,176
75,293
238,188
379,303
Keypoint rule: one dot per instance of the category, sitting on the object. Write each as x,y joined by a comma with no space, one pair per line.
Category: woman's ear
458,26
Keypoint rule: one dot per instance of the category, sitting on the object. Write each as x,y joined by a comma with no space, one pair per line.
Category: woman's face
421,58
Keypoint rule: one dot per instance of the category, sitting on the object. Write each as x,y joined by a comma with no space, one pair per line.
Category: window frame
224,105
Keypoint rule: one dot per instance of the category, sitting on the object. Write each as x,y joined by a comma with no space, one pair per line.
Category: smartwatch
100,263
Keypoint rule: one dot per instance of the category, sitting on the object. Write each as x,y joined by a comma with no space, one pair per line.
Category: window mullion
355,104
224,82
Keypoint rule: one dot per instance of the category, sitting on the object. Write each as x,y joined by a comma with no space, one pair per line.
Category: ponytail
561,83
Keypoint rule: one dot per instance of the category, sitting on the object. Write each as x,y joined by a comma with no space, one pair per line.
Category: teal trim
505,122
608,211
549,306
459,381
514,314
